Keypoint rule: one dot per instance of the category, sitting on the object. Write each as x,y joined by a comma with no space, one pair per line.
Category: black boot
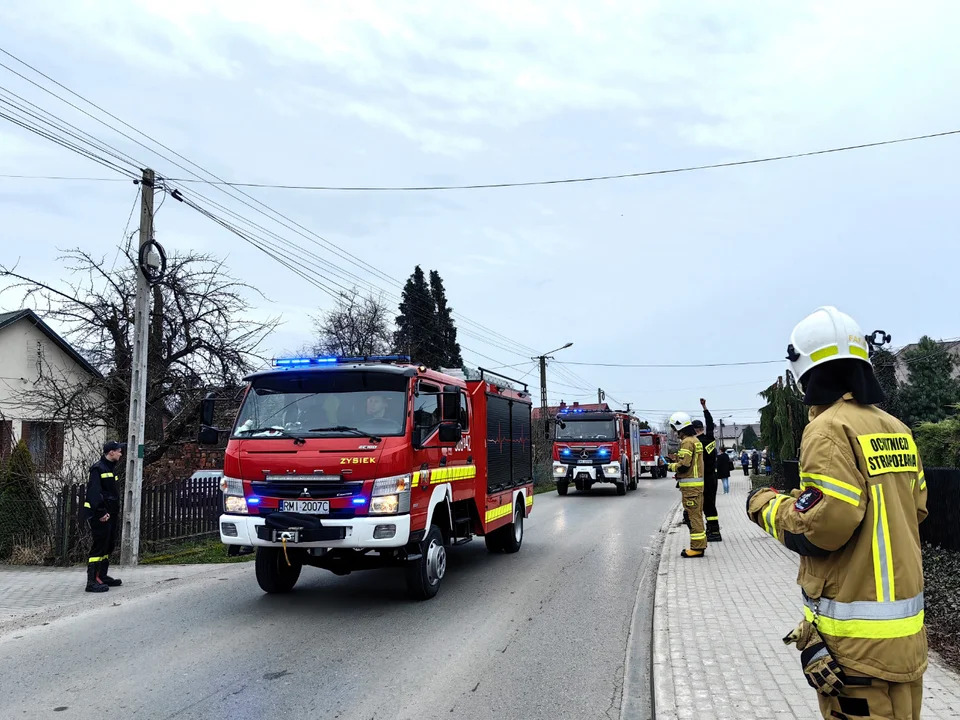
105,578
713,531
93,582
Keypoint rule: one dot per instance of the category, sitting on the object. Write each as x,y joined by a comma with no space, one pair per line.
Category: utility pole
600,396
722,447
130,539
543,392
628,408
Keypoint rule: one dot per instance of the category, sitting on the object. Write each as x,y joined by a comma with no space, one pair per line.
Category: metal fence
942,526
171,513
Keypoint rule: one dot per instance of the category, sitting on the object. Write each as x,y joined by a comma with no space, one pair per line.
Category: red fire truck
596,446
653,448
355,463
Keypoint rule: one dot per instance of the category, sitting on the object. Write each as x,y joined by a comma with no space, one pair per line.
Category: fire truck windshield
646,440
587,430
323,403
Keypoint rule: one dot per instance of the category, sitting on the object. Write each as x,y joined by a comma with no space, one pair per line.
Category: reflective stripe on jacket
689,464
856,527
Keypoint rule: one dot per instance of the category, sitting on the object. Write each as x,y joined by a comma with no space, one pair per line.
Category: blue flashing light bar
566,451
359,501
307,361
253,501
603,451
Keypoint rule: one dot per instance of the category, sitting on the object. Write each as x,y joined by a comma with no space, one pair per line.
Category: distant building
903,370
731,436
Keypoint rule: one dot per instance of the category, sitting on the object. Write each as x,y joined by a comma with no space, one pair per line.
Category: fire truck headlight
613,470
231,486
234,504
559,470
391,495
385,505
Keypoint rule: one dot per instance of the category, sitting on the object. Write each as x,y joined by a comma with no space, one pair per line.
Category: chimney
576,404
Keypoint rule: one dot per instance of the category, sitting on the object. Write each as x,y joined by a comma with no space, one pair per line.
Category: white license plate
309,507
584,462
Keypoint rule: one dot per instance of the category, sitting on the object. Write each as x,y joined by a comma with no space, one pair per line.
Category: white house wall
20,369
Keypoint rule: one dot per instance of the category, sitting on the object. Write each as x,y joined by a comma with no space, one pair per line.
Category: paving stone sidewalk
26,591
718,624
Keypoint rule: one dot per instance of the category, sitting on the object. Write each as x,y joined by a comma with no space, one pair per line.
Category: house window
45,442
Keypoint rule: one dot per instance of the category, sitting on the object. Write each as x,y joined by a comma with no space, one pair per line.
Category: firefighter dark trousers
693,504
710,505
104,540
864,698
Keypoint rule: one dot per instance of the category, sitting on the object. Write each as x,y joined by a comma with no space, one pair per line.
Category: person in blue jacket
745,462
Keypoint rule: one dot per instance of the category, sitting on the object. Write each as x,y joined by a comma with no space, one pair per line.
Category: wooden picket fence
172,513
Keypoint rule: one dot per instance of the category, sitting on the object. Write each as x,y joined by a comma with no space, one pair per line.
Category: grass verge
205,551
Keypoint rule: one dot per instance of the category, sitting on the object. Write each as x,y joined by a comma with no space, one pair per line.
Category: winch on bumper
389,531
607,472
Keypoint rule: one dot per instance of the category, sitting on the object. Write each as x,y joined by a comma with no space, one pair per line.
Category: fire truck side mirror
451,404
450,432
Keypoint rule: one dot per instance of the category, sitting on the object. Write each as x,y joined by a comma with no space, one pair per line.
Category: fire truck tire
273,573
622,487
513,533
424,575
562,488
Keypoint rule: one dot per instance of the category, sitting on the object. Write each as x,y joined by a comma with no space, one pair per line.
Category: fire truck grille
294,489
588,453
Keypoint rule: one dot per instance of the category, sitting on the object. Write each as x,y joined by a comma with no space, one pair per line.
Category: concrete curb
661,674
637,699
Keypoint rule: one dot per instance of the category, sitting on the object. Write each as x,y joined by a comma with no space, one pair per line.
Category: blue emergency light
308,361
253,501
359,501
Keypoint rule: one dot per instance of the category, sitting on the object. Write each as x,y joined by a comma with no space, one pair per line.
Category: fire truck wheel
273,573
424,575
513,533
622,487
562,488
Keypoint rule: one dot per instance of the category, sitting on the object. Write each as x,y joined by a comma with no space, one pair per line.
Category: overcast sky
703,267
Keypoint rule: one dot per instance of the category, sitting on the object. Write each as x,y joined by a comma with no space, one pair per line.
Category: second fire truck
596,446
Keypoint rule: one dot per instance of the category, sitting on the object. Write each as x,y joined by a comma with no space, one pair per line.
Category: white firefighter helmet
824,335
680,420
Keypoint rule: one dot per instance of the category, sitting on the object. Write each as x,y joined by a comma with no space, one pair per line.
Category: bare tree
200,339
358,325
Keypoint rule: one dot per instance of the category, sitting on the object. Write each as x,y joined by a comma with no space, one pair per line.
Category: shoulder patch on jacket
808,498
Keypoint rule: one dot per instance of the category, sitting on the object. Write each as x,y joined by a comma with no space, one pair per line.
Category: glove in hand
822,671
757,500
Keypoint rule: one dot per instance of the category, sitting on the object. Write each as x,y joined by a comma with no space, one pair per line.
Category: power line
598,178
676,365
530,183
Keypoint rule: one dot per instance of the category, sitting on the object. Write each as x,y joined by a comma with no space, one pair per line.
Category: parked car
734,457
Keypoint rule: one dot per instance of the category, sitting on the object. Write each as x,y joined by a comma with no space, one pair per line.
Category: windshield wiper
346,428
280,431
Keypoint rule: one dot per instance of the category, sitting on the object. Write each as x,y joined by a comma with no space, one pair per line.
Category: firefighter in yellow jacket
689,469
854,523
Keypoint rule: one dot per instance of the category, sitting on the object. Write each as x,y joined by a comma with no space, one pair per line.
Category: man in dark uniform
709,442
101,510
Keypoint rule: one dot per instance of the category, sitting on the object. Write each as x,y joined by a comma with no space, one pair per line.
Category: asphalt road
540,634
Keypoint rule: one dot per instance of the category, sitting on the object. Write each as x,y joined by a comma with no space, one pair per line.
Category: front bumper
358,532
610,472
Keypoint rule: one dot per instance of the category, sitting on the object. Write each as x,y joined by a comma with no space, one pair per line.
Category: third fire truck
653,448
596,446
